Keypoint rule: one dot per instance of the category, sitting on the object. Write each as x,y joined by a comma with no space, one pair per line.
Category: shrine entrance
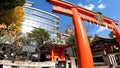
57,52
78,15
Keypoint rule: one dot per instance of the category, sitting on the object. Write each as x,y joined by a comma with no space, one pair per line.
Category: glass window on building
36,18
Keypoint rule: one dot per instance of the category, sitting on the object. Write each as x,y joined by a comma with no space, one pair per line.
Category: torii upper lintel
81,10
84,17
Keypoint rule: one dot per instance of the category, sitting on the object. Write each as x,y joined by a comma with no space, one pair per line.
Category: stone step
100,64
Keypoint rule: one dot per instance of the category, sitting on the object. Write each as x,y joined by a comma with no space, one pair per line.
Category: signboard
99,17
28,48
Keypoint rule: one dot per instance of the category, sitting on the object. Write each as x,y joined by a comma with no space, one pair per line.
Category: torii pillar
84,55
78,15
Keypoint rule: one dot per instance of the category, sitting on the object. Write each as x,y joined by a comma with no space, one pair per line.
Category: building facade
62,38
106,50
36,18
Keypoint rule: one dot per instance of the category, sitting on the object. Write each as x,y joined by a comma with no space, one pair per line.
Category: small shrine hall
57,52
106,50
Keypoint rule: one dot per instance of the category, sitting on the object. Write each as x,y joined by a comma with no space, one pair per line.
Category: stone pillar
106,59
67,63
6,66
112,60
73,65
23,67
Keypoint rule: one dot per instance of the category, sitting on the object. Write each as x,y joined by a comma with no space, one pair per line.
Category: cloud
100,29
101,6
99,1
89,7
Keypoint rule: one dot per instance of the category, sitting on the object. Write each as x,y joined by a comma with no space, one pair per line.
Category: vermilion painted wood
81,10
83,48
84,17
57,52
78,15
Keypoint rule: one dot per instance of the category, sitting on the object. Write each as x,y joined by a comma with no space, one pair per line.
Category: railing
26,64
72,63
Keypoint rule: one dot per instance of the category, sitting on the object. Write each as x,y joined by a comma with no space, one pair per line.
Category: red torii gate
78,15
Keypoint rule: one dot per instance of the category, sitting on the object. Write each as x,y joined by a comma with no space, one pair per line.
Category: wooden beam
63,11
80,9
86,18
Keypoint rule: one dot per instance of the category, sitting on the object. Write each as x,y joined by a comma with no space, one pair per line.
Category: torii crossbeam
78,15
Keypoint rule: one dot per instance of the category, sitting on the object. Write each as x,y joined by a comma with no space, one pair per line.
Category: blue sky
109,8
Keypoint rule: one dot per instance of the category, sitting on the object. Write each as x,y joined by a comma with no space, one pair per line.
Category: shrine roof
98,40
60,46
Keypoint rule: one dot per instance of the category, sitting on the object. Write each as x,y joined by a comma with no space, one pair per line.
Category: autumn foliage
9,4
12,13
15,15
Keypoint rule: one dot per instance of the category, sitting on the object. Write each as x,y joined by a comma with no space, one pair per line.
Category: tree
9,4
39,36
8,34
71,41
69,26
17,46
87,26
11,16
